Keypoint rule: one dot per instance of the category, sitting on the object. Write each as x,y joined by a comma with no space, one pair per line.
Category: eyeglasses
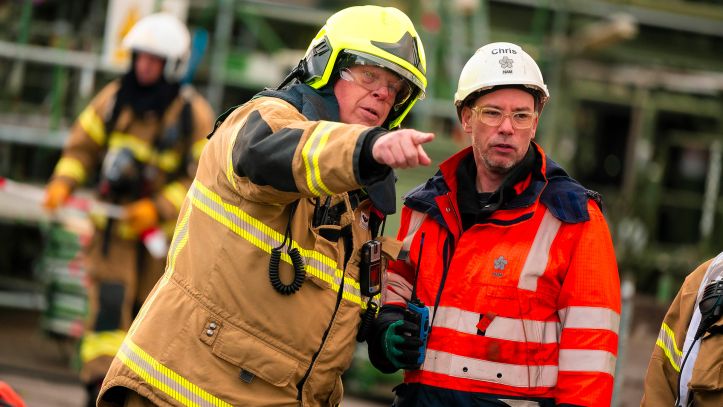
494,117
400,90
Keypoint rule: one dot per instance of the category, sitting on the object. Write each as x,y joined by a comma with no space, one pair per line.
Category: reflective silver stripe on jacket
590,318
493,372
511,329
537,257
587,360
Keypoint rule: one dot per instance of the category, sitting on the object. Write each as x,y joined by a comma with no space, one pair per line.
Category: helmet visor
351,57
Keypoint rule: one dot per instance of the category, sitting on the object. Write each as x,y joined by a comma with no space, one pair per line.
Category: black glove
401,344
394,343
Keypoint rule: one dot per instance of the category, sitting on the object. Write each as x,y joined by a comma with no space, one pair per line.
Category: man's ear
466,118
534,126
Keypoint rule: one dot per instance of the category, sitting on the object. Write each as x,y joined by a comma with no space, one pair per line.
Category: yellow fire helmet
381,35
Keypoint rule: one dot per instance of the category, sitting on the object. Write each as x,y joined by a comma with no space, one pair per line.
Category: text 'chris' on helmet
383,35
163,35
500,64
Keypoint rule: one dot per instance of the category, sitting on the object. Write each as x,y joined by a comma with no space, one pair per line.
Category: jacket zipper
339,296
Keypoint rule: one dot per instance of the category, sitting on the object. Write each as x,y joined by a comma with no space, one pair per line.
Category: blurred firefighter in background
143,133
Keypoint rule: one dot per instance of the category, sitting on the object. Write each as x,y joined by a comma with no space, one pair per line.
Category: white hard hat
499,64
164,35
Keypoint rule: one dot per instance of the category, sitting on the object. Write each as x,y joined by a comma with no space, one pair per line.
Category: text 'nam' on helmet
382,35
500,64
164,35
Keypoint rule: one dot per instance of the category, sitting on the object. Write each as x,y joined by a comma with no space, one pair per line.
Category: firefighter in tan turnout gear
143,133
685,367
274,257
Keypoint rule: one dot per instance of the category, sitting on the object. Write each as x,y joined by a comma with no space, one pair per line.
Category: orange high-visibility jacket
531,300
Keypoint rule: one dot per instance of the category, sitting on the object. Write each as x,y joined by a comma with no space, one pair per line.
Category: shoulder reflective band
312,150
538,255
93,125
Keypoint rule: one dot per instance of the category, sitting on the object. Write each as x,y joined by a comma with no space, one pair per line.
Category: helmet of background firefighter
383,35
500,64
163,35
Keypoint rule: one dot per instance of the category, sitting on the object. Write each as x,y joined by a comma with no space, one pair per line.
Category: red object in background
431,22
9,397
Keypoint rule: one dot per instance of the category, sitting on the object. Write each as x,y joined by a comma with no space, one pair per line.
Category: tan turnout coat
661,379
214,332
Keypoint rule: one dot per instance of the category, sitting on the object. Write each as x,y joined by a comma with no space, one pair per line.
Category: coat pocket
247,352
708,372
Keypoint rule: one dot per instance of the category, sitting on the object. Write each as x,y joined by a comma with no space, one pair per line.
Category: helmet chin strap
297,72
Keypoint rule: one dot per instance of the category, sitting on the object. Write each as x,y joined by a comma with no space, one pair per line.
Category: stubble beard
499,167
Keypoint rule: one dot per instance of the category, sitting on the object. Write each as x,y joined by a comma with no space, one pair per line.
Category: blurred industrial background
636,114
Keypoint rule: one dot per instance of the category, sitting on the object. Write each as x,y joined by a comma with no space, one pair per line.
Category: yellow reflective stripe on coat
175,193
180,238
93,125
142,151
168,161
71,168
197,149
164,379
666,342
265,238
98,344
312,150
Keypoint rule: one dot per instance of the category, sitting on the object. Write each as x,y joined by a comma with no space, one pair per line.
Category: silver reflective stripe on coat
520,403
492,372
415,222
539,253
590,318
582,360
510,329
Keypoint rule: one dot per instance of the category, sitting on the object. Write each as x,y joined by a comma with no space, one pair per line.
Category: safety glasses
494,117
401,89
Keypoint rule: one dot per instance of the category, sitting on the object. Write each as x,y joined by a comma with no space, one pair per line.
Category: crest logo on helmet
506,64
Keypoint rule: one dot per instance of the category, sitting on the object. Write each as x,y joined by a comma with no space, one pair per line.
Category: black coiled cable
299,271
296,261
366,321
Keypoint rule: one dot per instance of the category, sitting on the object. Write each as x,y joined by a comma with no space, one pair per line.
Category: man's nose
506,125
382,92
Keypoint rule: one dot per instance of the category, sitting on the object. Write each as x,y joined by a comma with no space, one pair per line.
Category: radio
370,268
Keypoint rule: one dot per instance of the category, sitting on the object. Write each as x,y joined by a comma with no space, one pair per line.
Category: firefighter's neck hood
142,99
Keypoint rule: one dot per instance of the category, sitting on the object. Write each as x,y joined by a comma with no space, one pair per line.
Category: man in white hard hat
145,132
507,259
